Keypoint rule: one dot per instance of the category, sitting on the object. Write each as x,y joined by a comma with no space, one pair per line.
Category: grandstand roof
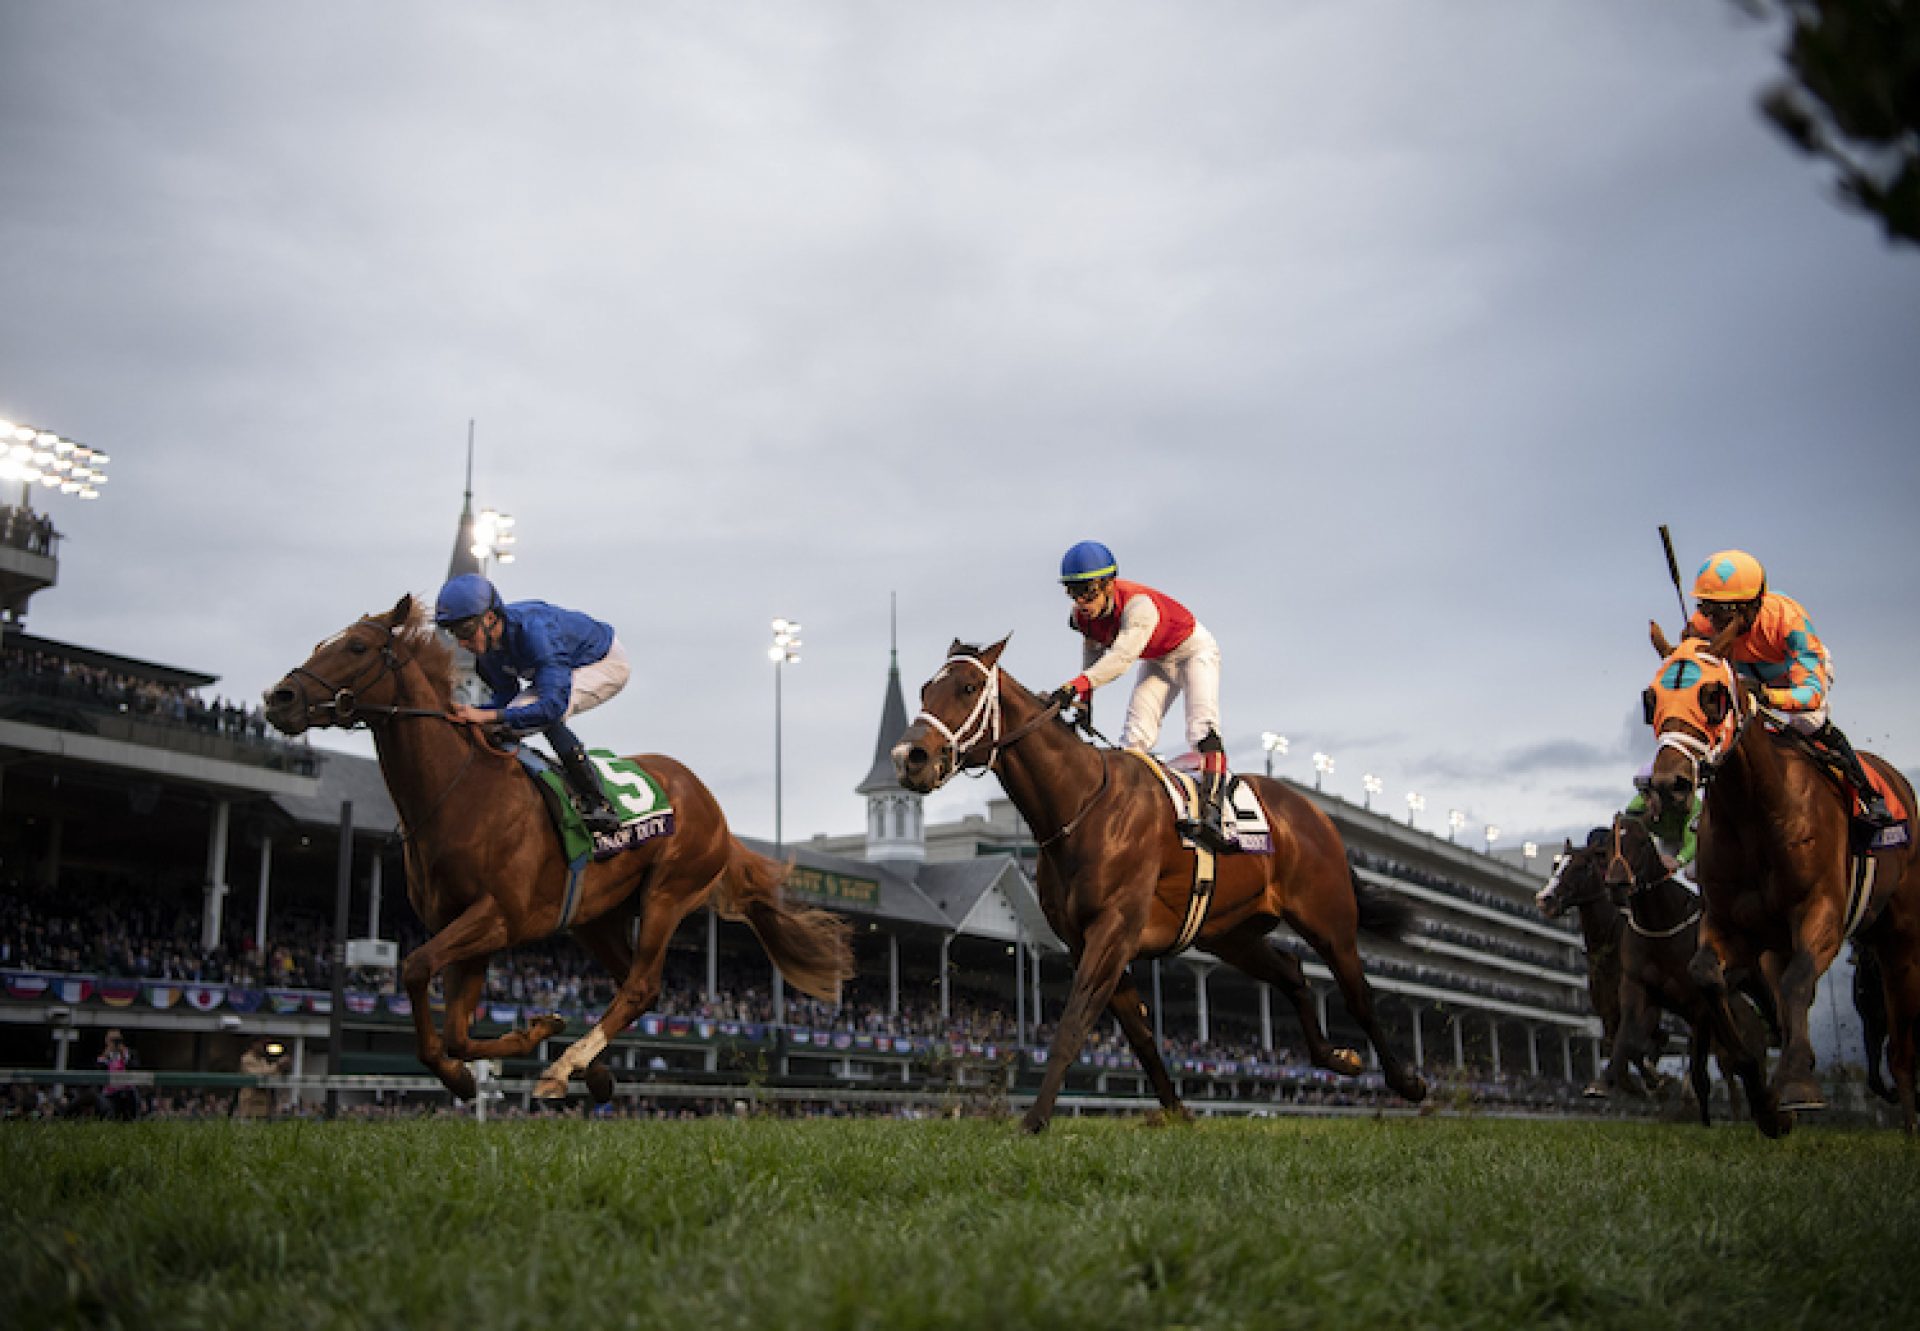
175,676
344,776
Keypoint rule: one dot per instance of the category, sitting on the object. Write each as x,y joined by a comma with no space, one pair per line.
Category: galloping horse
1114,876
1659,926
1773,870
485,869
1579,883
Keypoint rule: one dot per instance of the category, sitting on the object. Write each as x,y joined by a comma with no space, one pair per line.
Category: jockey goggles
1086,591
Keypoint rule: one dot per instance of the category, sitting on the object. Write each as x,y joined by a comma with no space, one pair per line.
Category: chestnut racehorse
1773,869
1114,877
485,869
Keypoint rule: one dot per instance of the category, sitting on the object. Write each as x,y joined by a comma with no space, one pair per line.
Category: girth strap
1184,792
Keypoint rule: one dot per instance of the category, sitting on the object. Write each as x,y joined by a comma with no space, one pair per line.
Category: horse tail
810,946
1381,914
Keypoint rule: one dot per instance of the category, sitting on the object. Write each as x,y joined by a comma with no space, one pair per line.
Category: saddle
1242,816
640,801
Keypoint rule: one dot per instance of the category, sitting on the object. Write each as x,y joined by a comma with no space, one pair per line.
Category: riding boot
1209,828
1873,807
596,810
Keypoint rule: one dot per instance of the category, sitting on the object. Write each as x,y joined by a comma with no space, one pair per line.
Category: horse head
1693,705
1577,877
959,721
1634,862
357,671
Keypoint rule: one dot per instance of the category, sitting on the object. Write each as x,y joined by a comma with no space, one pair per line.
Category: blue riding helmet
463,598
1087,561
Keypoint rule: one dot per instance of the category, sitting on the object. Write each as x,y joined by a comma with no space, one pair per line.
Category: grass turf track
821,1224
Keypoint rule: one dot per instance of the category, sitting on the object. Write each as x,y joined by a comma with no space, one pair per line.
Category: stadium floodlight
1529,849
1372,786
493,537
32,456
1493,835
1415,803
1273,744
1455,821
784,652
1322,766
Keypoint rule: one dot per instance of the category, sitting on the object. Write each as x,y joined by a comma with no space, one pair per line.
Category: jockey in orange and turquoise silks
1780,655
1122,623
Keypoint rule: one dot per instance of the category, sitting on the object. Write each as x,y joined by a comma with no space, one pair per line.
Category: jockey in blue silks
568,663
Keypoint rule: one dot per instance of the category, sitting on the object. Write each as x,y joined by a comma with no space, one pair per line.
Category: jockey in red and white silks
1126,623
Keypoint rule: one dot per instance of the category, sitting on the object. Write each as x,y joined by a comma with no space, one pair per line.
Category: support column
1039,1008
260,910
1459,1042
1599,1058
1493,1044
1266,1015
893,975
1159,1027
779,998
1204,1023
216,891
1566,1051
1419,1044
713,953
1533,1050
1019,991
946,994
373,891
1320,1005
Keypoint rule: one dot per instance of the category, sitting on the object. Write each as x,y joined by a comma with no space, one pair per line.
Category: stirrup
1208,831
600,817
1874,811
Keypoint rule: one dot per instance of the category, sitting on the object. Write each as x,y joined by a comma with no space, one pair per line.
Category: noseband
343,708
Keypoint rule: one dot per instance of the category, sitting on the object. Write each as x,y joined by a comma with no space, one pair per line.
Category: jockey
1676,832
1779,654
574,663
1123,622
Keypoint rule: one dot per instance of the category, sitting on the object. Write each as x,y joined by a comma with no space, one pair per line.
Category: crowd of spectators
1480,896
27,529
40,673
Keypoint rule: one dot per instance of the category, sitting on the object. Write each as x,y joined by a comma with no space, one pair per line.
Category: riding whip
1673,568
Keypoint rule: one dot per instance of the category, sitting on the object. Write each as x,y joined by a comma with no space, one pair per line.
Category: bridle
982,723
1705,755
1635,888
344,708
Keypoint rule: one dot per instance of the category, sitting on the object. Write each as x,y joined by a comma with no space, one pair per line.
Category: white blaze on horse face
1545,895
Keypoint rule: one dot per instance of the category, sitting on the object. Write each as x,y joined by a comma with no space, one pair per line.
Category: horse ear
991,657
1659,636
957,649
402,611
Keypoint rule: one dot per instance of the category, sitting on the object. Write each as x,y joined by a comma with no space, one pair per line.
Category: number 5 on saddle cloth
636,796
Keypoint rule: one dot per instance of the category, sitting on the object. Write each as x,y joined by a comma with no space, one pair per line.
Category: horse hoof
1178,1116
1032,1124
599,1083
546,1026
1346,1062
550,1088
1799,1095
461,1083
1594,1091
1412,1089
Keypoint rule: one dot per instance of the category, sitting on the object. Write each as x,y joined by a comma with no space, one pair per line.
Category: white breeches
1192,669
592,684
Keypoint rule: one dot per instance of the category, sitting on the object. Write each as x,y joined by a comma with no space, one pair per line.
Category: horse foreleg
1709,976
1131,1013
464,982
1259,958
1697,1073
1108,947
479,931
1900,981
1817,942
660,916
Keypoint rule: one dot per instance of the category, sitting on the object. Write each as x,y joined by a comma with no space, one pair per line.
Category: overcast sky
1382,334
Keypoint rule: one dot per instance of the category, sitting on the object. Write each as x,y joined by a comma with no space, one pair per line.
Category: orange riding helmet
1731,576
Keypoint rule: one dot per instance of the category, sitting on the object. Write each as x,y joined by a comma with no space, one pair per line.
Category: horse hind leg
1257,956
1710,978
1342,957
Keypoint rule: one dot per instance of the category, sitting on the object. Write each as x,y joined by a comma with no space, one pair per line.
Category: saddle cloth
1249,829
640,801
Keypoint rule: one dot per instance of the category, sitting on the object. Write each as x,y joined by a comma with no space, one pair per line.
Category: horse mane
430,651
